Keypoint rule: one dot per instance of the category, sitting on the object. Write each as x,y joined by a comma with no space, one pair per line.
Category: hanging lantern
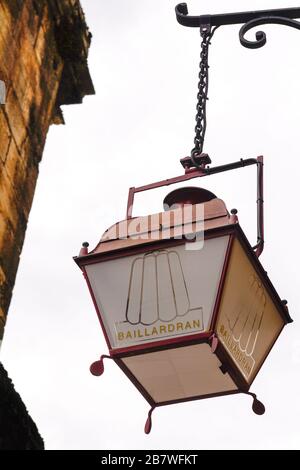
186,308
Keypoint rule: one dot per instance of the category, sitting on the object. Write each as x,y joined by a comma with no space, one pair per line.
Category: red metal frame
233,231
223,356
94,259
149,398
191,173
159,345
222,282
260,207
198,397
152,402
262,273
221,352
97,310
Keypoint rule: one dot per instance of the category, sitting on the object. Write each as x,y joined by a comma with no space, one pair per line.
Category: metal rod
230,18
130,203
230,166
260,208
198,173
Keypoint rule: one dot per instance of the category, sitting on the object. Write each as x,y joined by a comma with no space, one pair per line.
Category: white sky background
144,67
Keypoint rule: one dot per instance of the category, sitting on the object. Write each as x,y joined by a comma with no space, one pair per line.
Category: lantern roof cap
187,195
160,226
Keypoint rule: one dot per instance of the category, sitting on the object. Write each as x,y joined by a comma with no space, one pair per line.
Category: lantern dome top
187,195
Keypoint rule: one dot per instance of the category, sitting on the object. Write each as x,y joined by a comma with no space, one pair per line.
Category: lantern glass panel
249,321
158,294
180,373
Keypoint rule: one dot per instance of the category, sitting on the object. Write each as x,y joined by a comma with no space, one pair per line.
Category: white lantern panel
159,294
181,373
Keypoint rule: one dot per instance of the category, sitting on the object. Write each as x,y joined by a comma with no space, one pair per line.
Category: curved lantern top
189,195
181,221
186,308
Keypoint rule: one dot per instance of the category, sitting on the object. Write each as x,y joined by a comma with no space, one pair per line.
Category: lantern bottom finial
148,424
257,406
97,367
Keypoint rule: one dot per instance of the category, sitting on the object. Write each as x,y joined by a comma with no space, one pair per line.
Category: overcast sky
135,129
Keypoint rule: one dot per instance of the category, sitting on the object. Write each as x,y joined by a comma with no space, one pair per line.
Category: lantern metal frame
204,170
234,231
197,166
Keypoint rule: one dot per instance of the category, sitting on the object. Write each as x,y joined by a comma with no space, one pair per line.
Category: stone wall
43,62
17,429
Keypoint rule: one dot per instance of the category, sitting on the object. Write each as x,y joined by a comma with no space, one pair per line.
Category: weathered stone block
43,62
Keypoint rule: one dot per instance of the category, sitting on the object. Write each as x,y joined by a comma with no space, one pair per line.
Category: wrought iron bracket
249,19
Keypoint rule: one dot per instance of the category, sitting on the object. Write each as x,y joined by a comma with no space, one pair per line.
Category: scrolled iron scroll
261,38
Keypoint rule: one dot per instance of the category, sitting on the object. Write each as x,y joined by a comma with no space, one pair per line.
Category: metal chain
206,33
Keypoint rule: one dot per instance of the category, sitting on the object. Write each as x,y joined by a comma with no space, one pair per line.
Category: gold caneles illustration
250,310
249,321
157,290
